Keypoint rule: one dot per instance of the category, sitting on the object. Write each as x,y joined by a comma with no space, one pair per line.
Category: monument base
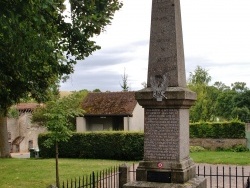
197,182
166,171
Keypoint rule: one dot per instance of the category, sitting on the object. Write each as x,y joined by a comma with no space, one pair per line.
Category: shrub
239,148
233,129
196,149
118,145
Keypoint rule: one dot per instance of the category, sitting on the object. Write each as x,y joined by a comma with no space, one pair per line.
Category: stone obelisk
166,102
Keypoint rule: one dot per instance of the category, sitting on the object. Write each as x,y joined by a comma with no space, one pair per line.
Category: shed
111,111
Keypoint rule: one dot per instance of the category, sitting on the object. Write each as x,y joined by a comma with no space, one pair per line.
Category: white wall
81,124
135,123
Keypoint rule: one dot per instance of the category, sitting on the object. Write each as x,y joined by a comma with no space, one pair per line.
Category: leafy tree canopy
199,77
219,101
38,45
59,116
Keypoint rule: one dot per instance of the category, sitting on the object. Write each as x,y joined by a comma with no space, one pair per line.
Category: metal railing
217,177
108,178
224,177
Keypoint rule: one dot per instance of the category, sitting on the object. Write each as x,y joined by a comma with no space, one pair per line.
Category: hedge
233,129
117,145
122,145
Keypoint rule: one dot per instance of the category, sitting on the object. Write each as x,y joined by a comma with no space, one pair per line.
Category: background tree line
218,102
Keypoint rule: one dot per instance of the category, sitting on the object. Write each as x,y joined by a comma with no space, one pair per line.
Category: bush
236,148
196,149
239,148
234,129
117,145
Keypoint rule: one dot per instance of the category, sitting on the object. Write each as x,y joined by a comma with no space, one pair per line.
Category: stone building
22,134
111,111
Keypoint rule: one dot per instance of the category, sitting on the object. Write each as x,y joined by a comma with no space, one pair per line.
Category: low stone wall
212,144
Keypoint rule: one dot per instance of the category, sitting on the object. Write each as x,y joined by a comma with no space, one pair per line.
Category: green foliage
35,60
233,129
96,90
59,116
239,148
124,84
199,77
196,149
99,145
236,148
40,44
218,102
203,110
13,112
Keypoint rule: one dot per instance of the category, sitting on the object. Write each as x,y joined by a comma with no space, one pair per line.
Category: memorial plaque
161,134
161,177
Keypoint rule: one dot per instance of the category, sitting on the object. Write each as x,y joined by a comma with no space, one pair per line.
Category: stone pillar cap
175,97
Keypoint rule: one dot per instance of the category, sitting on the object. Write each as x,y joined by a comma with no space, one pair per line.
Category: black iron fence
224,176
108,178
217,177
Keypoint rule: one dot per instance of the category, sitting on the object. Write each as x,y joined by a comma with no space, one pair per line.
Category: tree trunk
57,169
4,144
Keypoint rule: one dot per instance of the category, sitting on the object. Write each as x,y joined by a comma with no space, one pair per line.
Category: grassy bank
39,173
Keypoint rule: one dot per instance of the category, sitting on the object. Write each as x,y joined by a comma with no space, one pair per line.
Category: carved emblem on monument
159,86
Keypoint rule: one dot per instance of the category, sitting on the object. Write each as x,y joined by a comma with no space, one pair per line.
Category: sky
216,37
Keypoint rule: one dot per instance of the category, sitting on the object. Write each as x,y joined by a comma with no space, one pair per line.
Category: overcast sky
216,35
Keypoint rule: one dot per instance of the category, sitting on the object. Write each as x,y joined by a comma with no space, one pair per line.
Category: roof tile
109,103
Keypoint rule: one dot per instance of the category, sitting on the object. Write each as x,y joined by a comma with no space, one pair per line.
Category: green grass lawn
221,157
39,173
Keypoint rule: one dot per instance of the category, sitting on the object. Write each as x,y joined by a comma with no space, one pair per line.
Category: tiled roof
109,103
27,107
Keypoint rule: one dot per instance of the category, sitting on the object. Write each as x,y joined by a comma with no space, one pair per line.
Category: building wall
24,128
135,123
81,124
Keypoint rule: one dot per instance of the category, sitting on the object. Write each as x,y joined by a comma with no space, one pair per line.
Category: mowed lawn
221,157
40,173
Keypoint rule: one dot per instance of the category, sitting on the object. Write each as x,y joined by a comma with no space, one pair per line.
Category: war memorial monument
166,102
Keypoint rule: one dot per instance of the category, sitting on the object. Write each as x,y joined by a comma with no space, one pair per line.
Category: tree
225,104
221,86
38,46
96,90
57,116
239,86
199,77
242,105
124,84
203,108
242,114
